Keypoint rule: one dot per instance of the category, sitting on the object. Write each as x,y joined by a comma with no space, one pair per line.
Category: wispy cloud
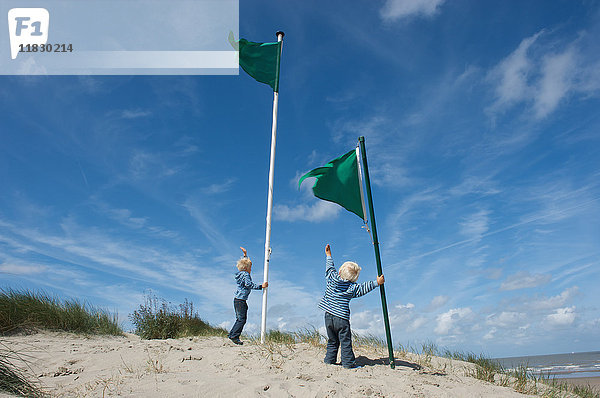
126,218
541,73
148,165
475,225
317,212
556,81
523,280
134,113
21,269
394,10
511,75
215,189
312,210
507,319
437,302
208,227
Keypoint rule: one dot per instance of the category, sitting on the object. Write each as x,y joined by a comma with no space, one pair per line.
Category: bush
157,319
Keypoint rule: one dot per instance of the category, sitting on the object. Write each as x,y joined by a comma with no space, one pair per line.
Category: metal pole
263,324
386,319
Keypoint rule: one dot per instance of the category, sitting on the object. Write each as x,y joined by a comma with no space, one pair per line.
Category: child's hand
265,284
328,250
244,250
380,280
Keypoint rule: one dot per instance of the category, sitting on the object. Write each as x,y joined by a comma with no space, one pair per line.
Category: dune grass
12,379
26,311
521,379
22,310
158,319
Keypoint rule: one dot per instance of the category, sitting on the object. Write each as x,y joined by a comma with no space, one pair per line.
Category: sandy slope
73,366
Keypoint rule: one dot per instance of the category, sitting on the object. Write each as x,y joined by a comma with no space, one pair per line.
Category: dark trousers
338,334
241,312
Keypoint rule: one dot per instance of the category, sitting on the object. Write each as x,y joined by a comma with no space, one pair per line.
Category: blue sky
482,126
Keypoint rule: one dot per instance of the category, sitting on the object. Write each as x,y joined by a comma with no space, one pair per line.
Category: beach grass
158,319
521,378
12,379
23,311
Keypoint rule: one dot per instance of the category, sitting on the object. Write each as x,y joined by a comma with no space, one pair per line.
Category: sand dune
76,366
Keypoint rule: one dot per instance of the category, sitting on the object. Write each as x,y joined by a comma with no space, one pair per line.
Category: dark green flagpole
386,320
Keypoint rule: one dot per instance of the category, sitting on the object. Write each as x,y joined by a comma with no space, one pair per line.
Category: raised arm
329,267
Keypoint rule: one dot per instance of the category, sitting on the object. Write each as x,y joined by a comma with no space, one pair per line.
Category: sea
575,364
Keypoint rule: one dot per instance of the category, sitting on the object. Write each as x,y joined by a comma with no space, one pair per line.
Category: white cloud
394,10
450,322
475,185
18,269
562,316
555,83
125,217
540,74
523,279
475,225
209,228
507,319
437,302
319,211
134,113
555,301
512,73
490,334
416,324
220,188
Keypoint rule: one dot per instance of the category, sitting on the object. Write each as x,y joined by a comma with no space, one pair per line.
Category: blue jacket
244,285
339,292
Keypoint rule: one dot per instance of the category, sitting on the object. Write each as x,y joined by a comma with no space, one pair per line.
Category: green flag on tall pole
341,181
259,60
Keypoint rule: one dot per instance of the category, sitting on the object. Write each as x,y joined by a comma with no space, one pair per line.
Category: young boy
244,285
341,288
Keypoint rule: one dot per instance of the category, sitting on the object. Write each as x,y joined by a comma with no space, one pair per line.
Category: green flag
338,182
259,60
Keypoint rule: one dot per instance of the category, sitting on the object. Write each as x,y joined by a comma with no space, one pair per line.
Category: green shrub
157,319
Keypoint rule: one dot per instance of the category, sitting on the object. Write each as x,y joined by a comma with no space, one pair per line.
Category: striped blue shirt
339,292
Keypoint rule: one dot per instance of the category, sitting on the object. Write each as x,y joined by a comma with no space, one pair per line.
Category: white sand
73,366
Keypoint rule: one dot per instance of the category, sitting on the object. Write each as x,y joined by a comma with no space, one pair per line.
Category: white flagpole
263,325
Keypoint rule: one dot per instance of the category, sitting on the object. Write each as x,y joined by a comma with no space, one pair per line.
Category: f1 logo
27,26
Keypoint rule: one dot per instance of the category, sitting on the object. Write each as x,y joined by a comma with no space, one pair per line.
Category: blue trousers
241,314
339,334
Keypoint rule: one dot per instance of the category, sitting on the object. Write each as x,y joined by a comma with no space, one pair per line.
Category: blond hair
244,264
349,271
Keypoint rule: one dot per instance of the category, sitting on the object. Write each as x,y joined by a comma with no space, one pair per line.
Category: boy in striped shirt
341,288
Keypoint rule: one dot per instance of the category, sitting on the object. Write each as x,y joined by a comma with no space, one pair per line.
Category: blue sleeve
329,268
247,281
360,289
